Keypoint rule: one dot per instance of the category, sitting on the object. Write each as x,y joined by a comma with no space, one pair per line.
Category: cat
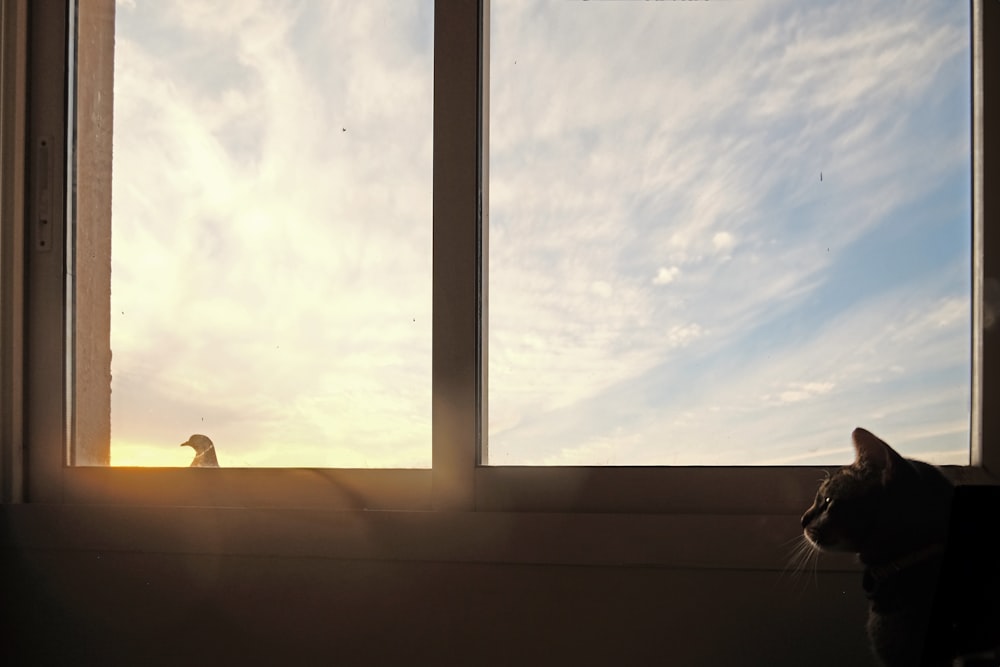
930,570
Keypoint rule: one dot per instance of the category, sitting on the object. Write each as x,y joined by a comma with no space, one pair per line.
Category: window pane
271,232
728,233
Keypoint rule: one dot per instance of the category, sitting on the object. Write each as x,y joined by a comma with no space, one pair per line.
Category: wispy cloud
672,281
271,260
685,170
665,276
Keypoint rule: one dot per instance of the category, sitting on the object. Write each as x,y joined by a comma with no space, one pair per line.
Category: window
456,480
735,257
270,232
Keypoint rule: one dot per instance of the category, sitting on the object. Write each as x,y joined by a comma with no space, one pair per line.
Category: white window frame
34,399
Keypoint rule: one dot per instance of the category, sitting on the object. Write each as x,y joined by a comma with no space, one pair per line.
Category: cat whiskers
803,557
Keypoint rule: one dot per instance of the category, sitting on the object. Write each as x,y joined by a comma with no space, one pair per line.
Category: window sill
679,541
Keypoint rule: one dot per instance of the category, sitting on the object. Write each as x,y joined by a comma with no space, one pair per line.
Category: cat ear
875,454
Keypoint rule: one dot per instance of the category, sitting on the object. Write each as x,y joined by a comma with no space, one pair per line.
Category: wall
107,588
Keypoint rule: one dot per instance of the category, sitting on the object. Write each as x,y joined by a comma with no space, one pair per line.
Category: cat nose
806,518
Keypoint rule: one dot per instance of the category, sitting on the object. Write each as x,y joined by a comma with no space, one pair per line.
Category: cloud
665,276
271,233
793,403
723,241
272,236
801,391
681,335
601,288
652,165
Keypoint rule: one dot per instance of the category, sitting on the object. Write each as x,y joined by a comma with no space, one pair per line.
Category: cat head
879,506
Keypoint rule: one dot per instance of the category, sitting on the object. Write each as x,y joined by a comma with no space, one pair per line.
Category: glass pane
271,232
728,233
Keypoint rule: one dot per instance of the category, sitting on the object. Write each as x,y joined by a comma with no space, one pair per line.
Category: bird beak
185,443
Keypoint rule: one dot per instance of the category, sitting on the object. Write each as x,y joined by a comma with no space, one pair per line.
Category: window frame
457,480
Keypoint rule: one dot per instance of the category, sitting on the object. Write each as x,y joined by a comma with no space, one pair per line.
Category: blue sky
670,280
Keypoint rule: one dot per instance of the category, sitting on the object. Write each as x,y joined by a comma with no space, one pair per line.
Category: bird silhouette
204,451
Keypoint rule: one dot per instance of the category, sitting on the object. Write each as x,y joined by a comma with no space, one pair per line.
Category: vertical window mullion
13,87
92,98
985,245
45,265
458,258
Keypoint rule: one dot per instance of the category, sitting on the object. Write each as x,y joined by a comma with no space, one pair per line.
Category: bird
204,451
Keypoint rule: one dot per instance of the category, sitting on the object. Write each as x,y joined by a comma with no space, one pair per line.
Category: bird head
204,451
199,443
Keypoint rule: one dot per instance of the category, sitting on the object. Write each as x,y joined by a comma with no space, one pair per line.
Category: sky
720,233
